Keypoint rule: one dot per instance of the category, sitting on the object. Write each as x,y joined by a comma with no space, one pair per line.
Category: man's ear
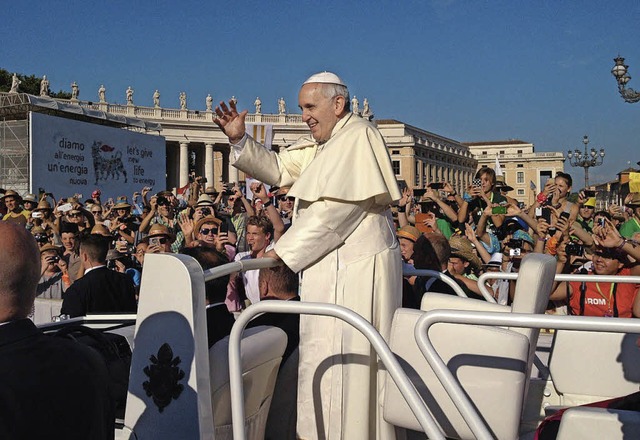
339,105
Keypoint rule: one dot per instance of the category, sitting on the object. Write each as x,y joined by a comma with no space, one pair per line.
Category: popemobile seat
261,352
491,363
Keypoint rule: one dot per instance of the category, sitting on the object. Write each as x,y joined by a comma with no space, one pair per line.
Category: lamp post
620,72
586,160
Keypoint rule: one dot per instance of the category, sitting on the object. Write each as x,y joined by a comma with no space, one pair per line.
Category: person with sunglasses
610,257
285,205
163,213
207,233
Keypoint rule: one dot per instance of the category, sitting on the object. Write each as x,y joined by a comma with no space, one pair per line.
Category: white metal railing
484,290
524,320
439,275
383,351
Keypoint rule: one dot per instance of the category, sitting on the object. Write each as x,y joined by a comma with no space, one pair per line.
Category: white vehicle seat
261,352
492,364
599,423
45,309
607,369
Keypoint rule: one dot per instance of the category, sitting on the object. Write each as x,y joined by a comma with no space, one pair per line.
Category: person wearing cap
29,202
407,236
159,239
585,214
43,216
207,233
123,224
163,213
285,205
54,274
15,213
600,298
632,225
342,240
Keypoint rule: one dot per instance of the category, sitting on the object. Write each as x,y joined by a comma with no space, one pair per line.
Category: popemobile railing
421,332
559,277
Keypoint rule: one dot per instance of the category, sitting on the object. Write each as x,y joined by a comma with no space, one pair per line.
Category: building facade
194,144
525,170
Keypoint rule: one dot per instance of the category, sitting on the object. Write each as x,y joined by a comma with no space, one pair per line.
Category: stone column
184,164
233,171
208,164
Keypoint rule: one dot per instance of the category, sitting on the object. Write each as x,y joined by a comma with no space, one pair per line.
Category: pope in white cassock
343,242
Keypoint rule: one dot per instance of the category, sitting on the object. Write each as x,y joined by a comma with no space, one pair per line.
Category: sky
538,71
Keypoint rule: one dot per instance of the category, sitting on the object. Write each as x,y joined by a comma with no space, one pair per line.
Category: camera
205,212
574,249
515,243
514,252
41,238
436,185
55,259
429,207
601,222
163,201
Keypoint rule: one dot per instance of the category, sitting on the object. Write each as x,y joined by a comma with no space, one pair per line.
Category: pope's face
320,113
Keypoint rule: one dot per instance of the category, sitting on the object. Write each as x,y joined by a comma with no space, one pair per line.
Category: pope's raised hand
230,121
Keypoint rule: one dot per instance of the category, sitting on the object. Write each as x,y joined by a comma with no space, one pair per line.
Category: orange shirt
600,299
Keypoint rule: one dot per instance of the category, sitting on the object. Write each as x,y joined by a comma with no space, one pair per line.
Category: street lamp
586,160
621,74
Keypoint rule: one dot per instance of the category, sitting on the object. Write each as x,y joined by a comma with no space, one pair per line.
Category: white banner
69,156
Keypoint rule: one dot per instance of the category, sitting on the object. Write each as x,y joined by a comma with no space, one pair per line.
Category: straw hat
461,247
30,198
205,220
158,230
49,247
210,190
43,205
409,232
99,229
501,184
122,203
12,193
204,200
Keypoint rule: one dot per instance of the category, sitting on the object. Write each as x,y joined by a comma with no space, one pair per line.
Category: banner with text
69,157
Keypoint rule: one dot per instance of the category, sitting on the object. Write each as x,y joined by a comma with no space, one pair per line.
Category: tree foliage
30,84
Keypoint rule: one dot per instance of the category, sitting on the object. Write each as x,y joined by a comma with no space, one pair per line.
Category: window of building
520,192
395,151
501,152
417,172
519,153
484,153
520,165
396,167
520,177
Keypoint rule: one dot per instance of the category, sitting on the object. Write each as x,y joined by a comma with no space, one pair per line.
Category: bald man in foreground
49,387
343,242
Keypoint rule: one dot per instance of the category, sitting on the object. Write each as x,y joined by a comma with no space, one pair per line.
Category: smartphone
477,183
223,227
36,214
419,192
588,193
565,215
65,208
546,215
499,210
154,241
436,185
